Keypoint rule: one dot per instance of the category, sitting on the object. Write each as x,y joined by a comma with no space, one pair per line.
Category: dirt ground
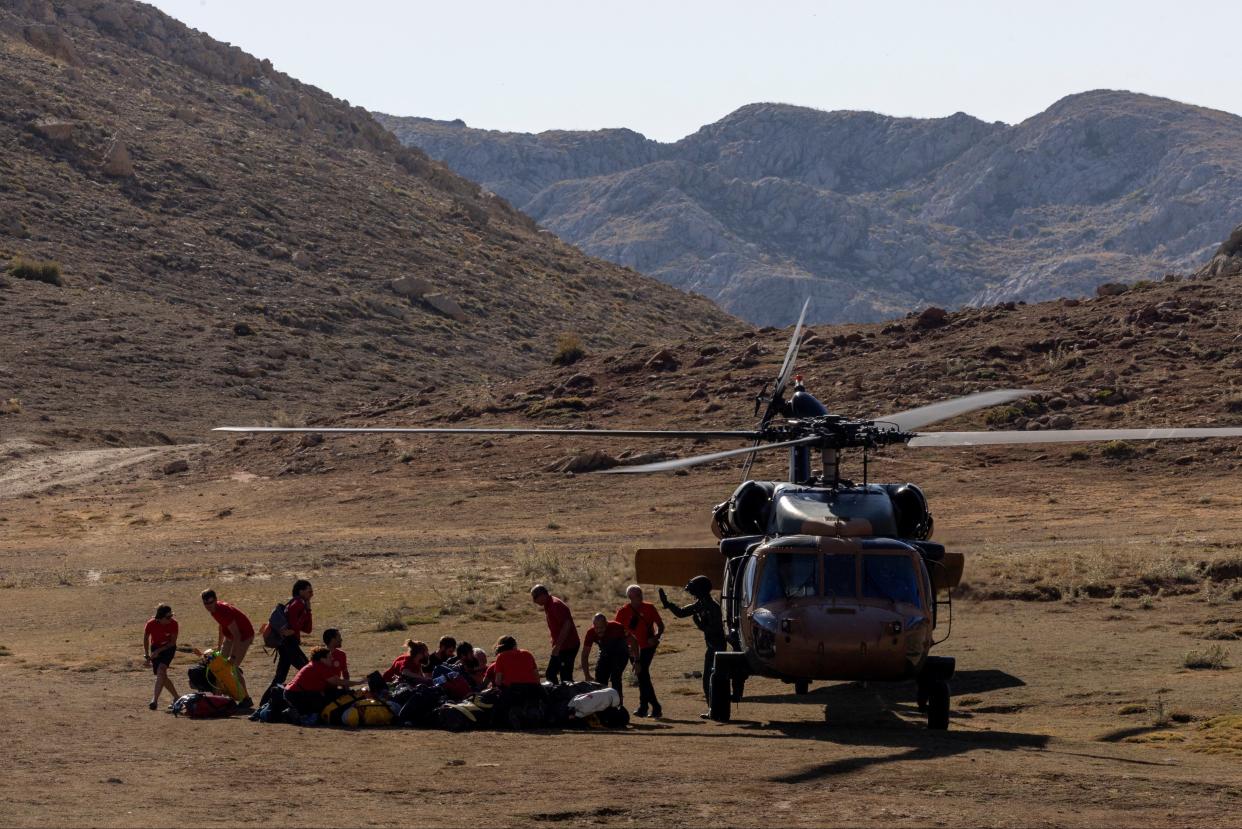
1076,711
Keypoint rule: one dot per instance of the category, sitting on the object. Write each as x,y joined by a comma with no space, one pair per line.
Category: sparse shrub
391,619
1061,358
1146,603
1078,455
285,420
1213,657
37,271
1117,450
568,350
10,406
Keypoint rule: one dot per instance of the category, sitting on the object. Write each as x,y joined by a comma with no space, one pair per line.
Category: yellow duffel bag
367,712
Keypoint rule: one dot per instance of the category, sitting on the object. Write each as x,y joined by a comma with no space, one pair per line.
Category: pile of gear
448,703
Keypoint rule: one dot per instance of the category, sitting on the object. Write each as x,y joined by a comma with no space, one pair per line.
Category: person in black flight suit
709,618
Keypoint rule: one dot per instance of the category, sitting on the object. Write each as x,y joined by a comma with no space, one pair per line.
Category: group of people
630,638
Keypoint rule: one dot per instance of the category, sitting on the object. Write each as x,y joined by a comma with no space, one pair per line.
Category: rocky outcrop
874,216
1228,258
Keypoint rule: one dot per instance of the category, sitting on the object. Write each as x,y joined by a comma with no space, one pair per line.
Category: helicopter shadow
885,715
963,682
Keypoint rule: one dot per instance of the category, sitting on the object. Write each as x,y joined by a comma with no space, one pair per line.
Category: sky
667,68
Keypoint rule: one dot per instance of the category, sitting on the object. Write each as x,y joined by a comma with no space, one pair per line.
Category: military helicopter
823,578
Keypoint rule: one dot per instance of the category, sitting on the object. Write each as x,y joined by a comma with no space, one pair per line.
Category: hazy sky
666,68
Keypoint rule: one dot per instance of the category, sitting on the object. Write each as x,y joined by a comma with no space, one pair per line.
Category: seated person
476,671
514,666
447,650
332,640
409,666
316,684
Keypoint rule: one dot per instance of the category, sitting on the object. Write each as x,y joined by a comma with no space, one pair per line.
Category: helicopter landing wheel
938,704
721,691
802,687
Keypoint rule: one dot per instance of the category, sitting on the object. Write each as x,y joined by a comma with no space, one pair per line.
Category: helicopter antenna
777,399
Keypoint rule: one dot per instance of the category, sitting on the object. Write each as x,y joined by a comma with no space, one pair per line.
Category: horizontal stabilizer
674,566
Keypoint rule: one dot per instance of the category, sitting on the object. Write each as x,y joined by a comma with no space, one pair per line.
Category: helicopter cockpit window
789,576
890,577
748,581
839,572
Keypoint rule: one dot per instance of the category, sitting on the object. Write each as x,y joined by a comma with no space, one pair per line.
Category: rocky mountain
873,215
187,234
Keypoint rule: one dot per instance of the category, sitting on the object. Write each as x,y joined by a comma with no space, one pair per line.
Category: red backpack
200,706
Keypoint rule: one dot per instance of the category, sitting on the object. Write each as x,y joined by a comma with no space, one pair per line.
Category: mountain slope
873,215
227,238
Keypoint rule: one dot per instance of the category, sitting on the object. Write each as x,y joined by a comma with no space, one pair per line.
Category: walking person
298,620
709,618
564,633
617,648
236,633
159,645
644,622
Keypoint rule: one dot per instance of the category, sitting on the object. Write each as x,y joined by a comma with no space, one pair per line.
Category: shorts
164,657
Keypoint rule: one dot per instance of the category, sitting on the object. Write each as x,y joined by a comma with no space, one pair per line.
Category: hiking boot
153,705
640,711
707,715
657,712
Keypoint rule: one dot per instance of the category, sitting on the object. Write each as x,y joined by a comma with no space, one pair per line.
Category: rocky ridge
872,215
188,235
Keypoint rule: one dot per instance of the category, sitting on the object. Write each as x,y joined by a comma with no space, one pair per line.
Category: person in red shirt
514,666
516,674
643,620
563,631
409,666
159,644
332,641
617,648
315,683
298,613
236,634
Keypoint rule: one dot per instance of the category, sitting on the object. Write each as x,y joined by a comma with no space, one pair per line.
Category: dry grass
1212,657
36,271
391,619
569,350
10,406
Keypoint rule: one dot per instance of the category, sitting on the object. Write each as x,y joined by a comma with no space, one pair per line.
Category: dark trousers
561,666
610,667
646,691
306,702
709,665
288,655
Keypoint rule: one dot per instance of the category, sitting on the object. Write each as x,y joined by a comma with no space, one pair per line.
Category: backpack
223,676
198,706
367,712
454,685
200,680
593,702
475,712
418,706
334,710
270,630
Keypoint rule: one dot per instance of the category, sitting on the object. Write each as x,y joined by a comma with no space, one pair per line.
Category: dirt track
1038,735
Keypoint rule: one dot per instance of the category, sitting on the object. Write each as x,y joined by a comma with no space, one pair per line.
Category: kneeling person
617,648
311,689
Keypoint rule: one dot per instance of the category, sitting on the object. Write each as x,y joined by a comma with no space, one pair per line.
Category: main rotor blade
1069,436
590,433
922,416
791,354
681,463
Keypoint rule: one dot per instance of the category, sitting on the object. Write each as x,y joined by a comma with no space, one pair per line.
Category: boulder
1228,258
932,317
301,259
662,360
446,305
411,286
1111,289
116,160
174,467
588,461
579,382
53,129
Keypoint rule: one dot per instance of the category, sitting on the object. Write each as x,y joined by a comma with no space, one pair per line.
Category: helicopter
823,579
